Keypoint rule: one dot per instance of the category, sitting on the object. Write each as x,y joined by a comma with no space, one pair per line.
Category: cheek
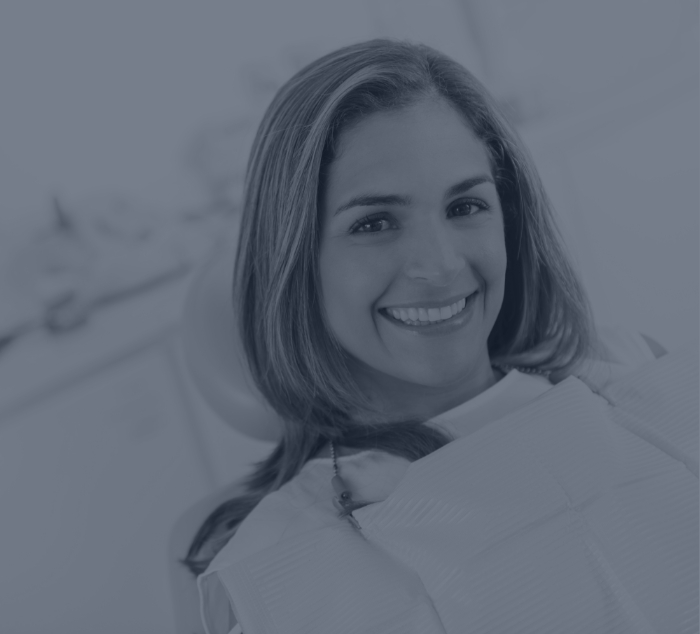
350,288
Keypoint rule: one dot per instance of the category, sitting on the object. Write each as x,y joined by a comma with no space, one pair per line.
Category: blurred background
124,133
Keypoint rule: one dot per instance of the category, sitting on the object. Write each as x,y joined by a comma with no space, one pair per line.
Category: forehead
428,144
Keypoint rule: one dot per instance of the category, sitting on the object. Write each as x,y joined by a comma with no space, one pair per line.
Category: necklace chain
343,499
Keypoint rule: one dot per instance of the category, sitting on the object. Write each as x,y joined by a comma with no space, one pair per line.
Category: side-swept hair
545,321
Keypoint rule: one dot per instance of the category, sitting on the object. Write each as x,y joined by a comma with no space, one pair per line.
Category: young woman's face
411,220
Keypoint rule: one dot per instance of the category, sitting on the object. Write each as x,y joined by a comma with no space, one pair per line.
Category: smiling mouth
405,318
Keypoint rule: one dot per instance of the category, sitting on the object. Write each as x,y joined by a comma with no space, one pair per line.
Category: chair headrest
213,351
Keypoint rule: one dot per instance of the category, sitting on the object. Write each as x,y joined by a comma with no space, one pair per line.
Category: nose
435,254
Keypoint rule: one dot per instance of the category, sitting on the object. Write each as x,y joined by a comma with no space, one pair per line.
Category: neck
398,400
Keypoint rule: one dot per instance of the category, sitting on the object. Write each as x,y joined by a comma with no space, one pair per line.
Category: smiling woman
406,307
437,242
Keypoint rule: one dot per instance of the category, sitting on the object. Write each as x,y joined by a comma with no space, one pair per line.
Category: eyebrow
371,200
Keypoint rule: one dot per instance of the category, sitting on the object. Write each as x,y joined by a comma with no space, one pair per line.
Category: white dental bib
577,512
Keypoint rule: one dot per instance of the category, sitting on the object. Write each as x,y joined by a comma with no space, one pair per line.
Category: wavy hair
545,321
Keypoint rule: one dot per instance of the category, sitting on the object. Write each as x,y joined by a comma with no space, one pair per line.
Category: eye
369,221
373,222
471,202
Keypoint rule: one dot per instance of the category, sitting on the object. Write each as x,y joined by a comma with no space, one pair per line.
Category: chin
436,376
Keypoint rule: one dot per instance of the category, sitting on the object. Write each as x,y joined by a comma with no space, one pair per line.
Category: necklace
343,499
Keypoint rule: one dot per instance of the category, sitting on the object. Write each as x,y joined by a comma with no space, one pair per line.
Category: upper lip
433,304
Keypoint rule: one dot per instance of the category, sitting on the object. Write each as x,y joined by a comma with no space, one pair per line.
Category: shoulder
629,347
621,351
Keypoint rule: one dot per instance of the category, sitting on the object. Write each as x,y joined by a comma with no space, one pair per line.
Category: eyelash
383,215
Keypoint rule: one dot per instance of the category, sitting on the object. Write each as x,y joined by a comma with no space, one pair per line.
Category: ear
655,346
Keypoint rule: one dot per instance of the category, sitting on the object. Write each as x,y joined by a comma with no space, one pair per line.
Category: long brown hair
298,366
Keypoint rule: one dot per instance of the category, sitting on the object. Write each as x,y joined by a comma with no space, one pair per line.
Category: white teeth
417,316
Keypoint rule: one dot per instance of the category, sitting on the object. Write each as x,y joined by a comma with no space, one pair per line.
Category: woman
401,289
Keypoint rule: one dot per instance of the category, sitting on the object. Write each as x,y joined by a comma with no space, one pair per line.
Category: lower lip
444,327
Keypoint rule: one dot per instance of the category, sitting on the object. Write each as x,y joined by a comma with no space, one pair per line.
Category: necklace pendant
344,501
